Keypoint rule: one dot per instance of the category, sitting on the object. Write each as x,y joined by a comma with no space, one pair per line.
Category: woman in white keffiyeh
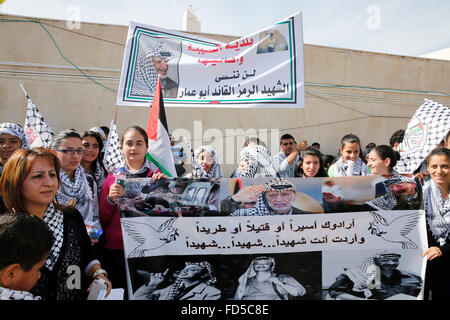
437,208
260,282
256,162
206,163
75,187
350,162
12,137
29,184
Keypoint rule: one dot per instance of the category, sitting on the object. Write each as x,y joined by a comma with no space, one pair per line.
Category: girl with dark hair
76,187
382,160
310,164
29,184
437,208
351,162
401,191
134,147
92,161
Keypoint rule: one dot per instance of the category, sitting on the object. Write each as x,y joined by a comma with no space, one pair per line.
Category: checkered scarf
8,294
16,131
79,190
365,273
178,284
437,210
54,220
259,163
146,77
427,127
388,200
262,207
214,172
350,168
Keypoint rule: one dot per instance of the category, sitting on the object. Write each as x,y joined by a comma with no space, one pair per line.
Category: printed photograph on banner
270,196
262,69
169,197
155,57
383,274
366,193
286,276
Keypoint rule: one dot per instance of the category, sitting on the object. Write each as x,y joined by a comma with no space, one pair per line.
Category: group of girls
67,187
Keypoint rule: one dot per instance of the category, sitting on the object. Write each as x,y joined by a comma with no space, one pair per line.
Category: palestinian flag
159,149
427,127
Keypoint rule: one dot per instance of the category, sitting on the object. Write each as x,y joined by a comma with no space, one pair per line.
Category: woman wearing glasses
76,187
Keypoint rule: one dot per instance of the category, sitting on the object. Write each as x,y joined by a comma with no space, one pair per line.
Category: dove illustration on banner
396,230
149,237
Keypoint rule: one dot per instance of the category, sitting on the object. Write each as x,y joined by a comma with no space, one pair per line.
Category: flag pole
23,89
115,115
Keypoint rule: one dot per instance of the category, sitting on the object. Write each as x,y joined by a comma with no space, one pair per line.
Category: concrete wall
369,94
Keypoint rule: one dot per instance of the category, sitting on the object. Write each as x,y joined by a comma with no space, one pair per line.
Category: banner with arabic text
264,69
362,255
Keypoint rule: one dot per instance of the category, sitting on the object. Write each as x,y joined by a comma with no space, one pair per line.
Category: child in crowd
22,257
350,162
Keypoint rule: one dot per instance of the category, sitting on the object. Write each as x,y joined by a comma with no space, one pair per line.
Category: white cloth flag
114,158
37,132
427,127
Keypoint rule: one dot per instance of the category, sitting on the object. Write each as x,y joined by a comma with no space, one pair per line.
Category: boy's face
27,280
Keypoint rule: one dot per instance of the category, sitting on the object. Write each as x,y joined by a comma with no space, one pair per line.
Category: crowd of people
56,195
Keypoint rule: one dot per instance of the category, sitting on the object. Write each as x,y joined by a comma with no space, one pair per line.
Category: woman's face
134,147
41,184
8,144
262,265
91,149
310,165
70,162
350,151
243,165
377,165
205,160
439,169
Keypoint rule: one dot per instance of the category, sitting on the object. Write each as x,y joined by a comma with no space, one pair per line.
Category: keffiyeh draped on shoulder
437,211
350,168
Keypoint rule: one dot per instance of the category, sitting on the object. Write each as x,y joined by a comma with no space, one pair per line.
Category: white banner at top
262,70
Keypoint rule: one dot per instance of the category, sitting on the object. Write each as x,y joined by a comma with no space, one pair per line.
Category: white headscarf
16,131
259,163
214,172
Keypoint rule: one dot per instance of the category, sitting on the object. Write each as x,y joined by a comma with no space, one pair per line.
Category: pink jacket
110,216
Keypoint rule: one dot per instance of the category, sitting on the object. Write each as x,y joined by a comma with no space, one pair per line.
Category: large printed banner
374,255
264,69
230,239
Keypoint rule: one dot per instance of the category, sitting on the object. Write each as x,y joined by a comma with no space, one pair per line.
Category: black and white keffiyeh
178,284
113,159
389,200
262,207
259,163
77,189
8,294
37,131
437,211
145,77
14,130
427,127
214,172
350,168
54,220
